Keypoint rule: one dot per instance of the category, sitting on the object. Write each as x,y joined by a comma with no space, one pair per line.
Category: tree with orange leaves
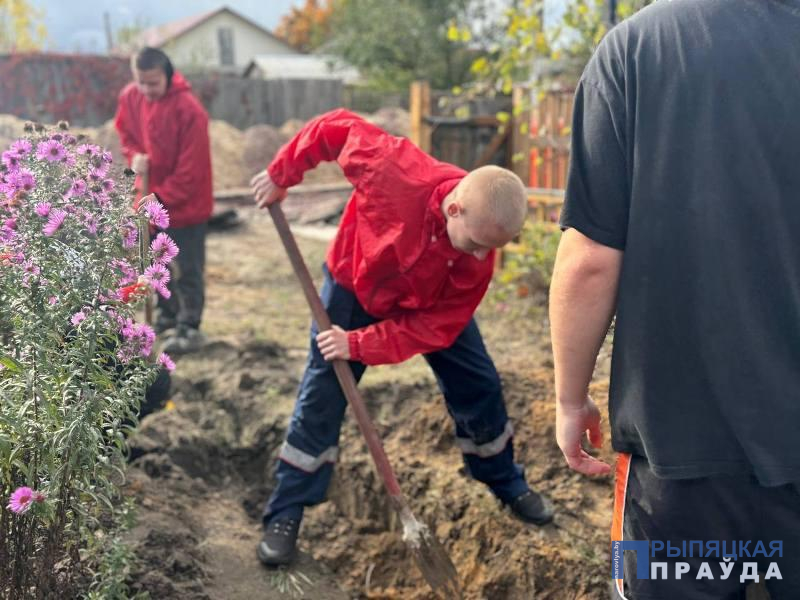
307,27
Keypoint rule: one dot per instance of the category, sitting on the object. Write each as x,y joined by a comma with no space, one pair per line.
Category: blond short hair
503,198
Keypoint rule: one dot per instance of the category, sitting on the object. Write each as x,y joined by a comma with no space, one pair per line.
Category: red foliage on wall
47,87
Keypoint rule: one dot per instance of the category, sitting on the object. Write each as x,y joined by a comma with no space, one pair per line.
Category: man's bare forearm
582,303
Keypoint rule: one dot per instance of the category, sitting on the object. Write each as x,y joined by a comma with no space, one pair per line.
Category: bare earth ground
204,466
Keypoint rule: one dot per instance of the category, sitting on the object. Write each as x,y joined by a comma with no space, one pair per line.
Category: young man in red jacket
163,129
411,261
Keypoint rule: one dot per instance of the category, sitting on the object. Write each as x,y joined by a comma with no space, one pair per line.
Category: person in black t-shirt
682,218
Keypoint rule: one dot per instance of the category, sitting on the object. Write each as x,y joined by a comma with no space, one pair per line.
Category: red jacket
392,248
173,132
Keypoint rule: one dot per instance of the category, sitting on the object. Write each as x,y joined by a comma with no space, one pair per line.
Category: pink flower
158,215
21,147
127,272
23,180
78,318
51,151
11,160
158,277
137,339
54,221
108,184
107,157
166,361
43,208
22,499
88,149
78,188
52,300
164,249
97,174
130,235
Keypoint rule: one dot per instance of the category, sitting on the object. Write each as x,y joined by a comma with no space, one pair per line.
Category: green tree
394,43
21,27
529,50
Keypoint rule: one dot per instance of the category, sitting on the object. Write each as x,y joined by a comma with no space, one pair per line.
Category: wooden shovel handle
341,367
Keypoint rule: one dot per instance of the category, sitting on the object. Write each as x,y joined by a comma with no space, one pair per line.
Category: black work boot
279,544
532,508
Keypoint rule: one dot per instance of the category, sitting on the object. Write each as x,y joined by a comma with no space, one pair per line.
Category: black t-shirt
686,155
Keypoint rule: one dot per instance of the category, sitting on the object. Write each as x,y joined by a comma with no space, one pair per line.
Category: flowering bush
74,362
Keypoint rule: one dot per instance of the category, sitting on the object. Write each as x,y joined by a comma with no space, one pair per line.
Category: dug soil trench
202,467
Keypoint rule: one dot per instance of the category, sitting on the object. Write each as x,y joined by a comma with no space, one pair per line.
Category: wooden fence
533,142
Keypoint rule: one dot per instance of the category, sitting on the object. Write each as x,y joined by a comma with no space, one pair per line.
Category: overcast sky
77,25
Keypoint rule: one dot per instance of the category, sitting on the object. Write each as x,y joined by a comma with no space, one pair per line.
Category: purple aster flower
164,249
165,360
107,156
101,199
23,180
51,151
21,147
7,236
97,174
78,318
54,221
43,208
108,185
158,277
52,300
30,267
158,215
11,160
90,222
130,235
88,149
78,188
127,273
22,499
137,340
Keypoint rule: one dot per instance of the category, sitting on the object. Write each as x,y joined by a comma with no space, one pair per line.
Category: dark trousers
187,287
721,508
472,392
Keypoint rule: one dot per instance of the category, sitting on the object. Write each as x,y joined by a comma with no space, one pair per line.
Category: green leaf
9,363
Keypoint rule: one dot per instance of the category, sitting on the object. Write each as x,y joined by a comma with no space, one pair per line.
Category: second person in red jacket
410,263
164,133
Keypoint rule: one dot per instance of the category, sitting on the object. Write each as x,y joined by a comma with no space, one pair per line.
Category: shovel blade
431,557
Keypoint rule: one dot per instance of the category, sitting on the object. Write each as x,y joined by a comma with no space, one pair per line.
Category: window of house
225,38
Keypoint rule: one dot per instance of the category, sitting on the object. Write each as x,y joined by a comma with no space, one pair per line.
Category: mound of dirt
261,143
396,121
290,128
227,147
11,128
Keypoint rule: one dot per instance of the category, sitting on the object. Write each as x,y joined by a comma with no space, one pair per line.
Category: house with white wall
221,39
